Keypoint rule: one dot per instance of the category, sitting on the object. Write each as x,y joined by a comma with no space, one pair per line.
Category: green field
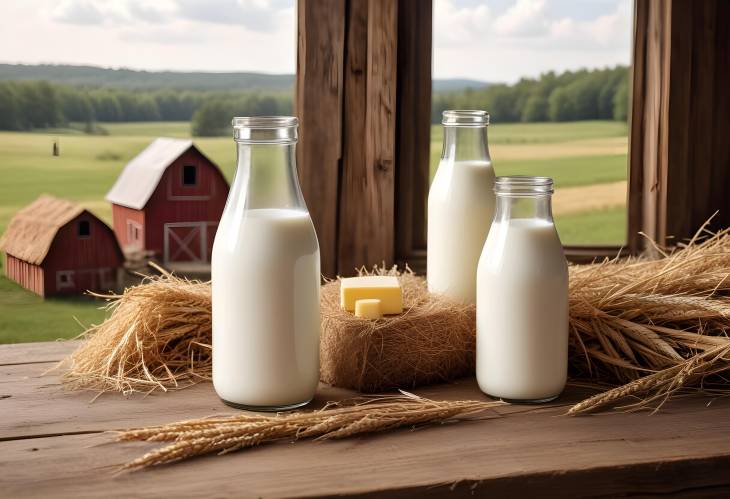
581,155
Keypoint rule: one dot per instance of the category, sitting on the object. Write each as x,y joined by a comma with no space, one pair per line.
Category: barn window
64,279
84,228
190,175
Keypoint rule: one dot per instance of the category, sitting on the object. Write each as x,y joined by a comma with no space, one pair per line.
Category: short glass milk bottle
265,276
460,206
522,297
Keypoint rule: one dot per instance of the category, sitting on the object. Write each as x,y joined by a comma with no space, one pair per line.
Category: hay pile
157,337
649,327
432,341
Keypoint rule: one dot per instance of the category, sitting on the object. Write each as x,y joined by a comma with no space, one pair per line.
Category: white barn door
186,242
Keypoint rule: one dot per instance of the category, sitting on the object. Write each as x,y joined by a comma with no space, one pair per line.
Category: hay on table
432,341
157,337
649,327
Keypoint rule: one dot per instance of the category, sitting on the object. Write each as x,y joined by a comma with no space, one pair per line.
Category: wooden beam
413,127
679,152
367,191
318,104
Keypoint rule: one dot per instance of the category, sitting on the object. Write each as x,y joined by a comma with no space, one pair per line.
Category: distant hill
133,79
457,84
94,76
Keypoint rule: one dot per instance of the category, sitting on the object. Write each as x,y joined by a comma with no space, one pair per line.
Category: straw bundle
226,434
157,337
432,341
650,327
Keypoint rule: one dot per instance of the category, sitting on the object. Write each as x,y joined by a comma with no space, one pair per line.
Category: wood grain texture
413,127
318,104
518,451
679,152
367,189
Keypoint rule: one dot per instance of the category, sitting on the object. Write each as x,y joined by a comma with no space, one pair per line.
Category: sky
490,40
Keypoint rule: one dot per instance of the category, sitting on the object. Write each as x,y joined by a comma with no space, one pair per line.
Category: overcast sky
492,40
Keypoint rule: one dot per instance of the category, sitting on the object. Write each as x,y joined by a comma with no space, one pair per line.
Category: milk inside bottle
265,276
460,206
522,297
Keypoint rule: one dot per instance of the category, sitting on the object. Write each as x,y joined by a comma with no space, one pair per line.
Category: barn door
186,242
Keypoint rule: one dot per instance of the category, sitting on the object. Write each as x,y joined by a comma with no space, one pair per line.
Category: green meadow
586,159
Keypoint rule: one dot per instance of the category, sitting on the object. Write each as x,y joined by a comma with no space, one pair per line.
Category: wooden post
318,101
368,110
679,152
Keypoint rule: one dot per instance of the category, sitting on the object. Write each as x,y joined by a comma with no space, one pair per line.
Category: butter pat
368,309
378,287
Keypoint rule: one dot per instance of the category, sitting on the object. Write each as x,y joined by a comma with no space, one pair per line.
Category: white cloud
528,37
456,25
257,15
524,18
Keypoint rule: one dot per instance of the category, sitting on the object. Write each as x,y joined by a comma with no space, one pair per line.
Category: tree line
569,96
28,105
601,94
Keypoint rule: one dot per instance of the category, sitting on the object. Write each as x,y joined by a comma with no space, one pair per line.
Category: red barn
168,201
54,246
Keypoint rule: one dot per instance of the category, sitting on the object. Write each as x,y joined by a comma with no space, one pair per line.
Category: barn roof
140,177
32,230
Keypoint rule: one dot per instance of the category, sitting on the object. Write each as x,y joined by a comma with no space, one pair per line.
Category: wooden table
52,444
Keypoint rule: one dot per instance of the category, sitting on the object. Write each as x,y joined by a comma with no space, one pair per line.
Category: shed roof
32,230
140,177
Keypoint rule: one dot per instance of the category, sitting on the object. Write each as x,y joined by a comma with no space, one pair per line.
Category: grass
607,226
25,316
574,154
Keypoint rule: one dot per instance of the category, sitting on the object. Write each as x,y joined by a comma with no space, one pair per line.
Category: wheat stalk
336,420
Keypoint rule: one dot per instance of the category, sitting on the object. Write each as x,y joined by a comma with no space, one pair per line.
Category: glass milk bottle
522,297
265,276
460,206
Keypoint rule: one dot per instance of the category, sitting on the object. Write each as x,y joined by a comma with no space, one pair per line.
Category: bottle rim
265,129
523,185
465,118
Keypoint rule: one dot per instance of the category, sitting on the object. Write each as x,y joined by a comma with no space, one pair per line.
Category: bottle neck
537,207
266,176
465,143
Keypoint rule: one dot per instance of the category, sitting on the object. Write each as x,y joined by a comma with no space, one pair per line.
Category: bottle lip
265,129
522,185
465,118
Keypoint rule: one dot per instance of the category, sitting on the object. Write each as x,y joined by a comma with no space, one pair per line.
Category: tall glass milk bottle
460,206
522,297
265,276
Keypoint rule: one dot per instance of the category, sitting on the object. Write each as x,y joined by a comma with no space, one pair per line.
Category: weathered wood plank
685,449
679,152
525,450
24,353
41,406
367,191
413,130
318,104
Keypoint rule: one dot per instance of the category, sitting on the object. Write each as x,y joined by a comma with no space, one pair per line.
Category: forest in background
569,96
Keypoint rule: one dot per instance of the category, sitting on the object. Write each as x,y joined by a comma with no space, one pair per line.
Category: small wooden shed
54,246
168,201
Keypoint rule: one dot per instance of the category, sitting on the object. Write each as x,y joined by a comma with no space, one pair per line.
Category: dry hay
649,327
157,337
432,341
226,434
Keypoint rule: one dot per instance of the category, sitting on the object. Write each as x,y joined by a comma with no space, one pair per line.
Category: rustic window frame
363,97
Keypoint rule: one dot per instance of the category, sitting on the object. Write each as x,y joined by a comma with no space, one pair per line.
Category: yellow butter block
368,309
378,287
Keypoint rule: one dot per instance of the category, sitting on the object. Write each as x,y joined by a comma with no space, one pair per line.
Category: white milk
522,312
265,279
460,211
